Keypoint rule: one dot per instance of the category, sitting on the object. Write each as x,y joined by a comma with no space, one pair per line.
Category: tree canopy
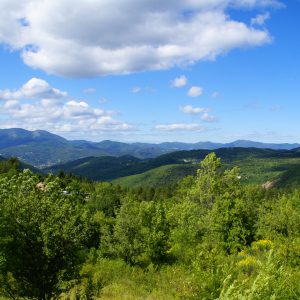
209,237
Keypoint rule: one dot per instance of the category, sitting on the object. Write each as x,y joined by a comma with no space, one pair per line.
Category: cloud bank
94,38
37,105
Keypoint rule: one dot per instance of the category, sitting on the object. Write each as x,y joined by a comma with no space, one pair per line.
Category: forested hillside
207,237
256,166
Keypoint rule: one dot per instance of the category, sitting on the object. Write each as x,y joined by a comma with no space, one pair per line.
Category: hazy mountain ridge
42,148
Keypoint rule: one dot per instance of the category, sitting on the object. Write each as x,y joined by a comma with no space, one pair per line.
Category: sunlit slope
158,177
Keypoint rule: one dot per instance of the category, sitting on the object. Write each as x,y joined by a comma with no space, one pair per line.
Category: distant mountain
140,150
247,144
42,148
16,136
177,146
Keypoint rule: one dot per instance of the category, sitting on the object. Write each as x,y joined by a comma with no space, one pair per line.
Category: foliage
43,229
260,273
9,167
140,234
158,177
209,236
106,198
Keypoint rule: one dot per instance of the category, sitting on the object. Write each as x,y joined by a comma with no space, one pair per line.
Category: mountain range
41,148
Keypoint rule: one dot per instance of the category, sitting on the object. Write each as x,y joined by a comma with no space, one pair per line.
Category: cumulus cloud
35,88
189,109
204,112
195,91
37,105
208,118
91,38
180,127
179,82
260,19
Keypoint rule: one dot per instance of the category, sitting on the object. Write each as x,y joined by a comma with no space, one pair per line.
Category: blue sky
152,71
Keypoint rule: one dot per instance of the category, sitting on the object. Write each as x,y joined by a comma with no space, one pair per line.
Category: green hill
257,166
107,168
102,168
14,163
290,178
158,177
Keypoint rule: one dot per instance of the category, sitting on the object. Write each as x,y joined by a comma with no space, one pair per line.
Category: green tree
106,197
230,224
9,167
280,218
43,229
141,232
215,211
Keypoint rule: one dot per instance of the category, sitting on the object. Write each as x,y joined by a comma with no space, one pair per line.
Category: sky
152,70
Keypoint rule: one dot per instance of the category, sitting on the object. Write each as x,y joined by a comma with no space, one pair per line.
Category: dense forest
207,237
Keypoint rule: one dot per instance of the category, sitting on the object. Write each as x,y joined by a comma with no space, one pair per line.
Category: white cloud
208,118
180,127
50,109
179,82
189,109
92,38
261,3
204,112
9,104
260,19
136,90
195,91
35,88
